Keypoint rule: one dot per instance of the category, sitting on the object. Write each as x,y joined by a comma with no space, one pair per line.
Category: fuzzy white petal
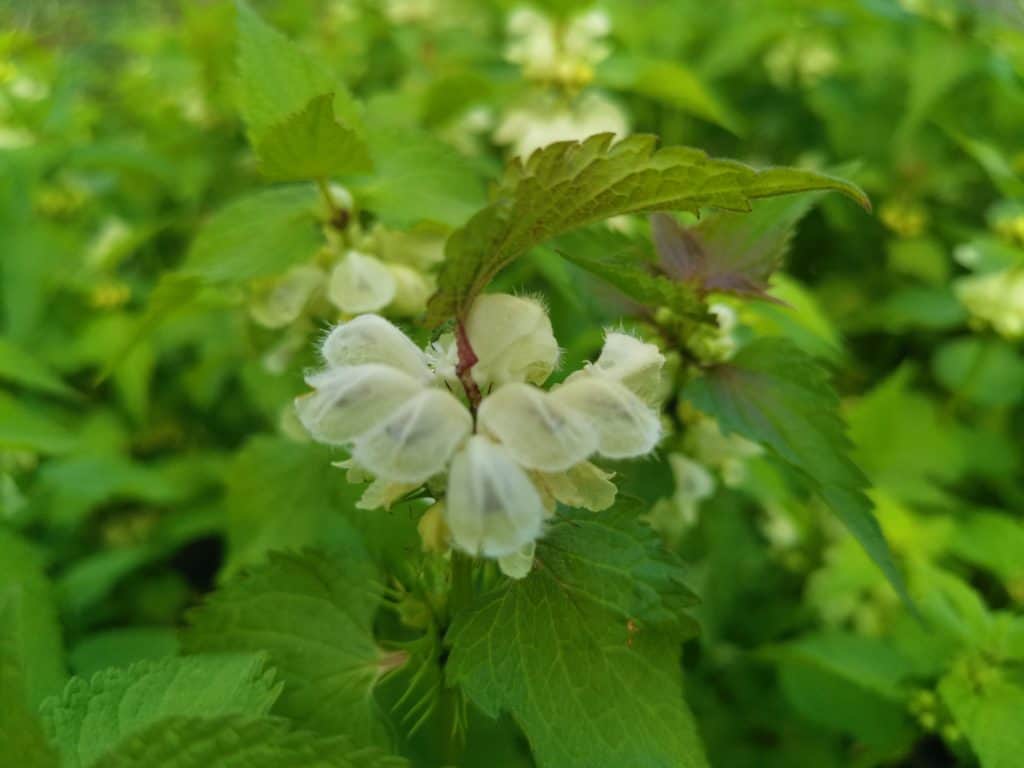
416,441
347,401
538,431
492,507
512,339
372,339
635,364
625,425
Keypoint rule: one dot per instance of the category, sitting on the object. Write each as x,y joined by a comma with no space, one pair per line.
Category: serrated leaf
237,742
779,396
584,652
729,252
312,144
987,706
258,235
91,717
30,636
418,178
570,184
312,615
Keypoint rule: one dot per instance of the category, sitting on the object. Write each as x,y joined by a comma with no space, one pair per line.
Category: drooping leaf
777,395
584,652
30,636
92,716
729,252
570,184
239,742
261,234
312,615
312,144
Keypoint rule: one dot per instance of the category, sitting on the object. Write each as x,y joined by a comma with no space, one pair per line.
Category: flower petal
349,400
518,564
492,507
625,425
538,431
417,440
360,283
636,364
372,339
512,339
584,486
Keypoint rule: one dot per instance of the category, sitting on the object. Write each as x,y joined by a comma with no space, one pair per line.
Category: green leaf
729,252
258,235
30,636
584,652
124,645
570,184
777,395
618,259
285,495
986,702
29,429
418,178
21,733
670,83
27,370
312,144
91,717
313,616
237,742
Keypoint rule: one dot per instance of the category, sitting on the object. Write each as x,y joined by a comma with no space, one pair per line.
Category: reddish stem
464,368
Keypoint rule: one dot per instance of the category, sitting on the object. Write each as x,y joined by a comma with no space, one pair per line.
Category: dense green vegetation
415,383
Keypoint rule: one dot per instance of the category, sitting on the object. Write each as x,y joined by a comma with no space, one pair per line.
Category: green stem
460,597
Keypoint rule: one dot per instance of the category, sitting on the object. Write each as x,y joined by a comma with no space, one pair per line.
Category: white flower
564,53
995,299
387,401
512,339
537,123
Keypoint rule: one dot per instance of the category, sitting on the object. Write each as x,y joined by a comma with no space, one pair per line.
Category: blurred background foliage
135,492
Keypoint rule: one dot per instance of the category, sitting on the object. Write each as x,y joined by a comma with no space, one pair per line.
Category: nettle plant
539,601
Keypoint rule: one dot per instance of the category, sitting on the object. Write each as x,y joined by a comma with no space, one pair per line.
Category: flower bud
360,283
512,339
433,530
492,508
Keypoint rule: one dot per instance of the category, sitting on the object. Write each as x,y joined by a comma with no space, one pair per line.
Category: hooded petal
360,283
538,431
512,339
348,401
635,364
625,425
372,339
417,440
492,507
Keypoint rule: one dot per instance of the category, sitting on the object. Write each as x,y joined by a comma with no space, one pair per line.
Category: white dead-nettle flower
390,405
543,120
995,299
559,52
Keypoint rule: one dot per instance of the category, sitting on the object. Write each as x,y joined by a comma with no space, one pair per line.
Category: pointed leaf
570,184
777,395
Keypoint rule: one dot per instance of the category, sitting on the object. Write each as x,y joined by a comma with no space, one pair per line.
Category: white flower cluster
404,416
559,52
995,299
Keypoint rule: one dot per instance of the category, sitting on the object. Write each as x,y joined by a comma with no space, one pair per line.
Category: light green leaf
237,742
986,702
313,616
570,184
777,395
670,83
91,717
285,495
418,178
30,636
261,234
584,652
20,367
312,144
29,429
21,733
